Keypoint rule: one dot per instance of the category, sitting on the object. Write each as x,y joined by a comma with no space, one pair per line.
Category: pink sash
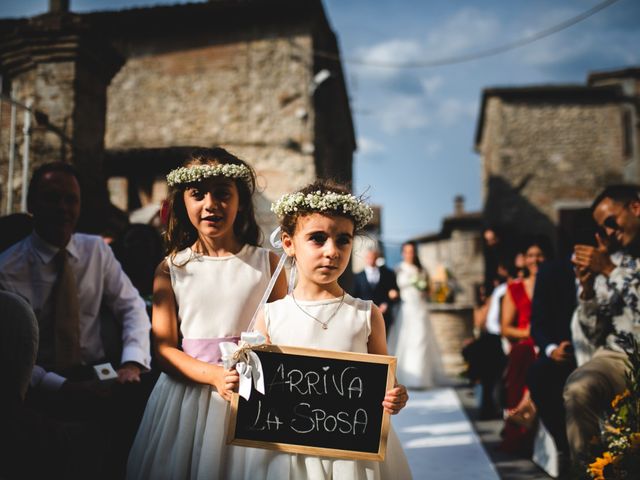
206,349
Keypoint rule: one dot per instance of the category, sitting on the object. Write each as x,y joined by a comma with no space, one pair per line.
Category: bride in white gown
419,357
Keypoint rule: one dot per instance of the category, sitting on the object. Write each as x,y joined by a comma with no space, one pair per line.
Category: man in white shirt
485,355
28,269
63,381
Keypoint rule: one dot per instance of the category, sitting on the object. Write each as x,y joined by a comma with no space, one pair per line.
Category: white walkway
439,440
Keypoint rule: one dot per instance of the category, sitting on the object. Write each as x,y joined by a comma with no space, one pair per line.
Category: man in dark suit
377,283
554,301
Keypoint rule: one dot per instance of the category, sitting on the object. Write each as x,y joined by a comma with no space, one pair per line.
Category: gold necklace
324,324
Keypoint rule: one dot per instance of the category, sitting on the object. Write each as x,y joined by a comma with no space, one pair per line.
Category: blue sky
416,127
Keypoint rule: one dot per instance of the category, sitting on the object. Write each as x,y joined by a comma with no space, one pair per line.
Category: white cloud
465,31
392,51
368,146
431,85
402,112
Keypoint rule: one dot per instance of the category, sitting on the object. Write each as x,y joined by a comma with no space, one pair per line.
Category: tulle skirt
183,436
271,465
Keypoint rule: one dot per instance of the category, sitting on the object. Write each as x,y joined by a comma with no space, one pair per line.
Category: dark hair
13,228
289,221
181,233
539,241
41,171
506,260
139,250
480,294
621,193
416,260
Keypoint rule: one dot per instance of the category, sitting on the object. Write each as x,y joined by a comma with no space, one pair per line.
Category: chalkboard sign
317,402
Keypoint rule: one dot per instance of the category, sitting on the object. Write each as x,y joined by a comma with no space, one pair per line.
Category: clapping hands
590,262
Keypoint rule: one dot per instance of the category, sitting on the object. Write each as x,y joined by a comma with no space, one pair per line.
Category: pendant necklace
324,324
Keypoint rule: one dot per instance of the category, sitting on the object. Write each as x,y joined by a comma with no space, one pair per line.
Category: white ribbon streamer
276,243
246,361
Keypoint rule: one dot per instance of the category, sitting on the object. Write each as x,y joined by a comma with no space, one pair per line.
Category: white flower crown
342,204
197,173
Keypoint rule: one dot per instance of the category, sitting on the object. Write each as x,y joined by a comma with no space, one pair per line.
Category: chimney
458,205
58,6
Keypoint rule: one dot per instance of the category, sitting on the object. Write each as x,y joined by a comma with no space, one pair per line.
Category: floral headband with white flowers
331,202
197,173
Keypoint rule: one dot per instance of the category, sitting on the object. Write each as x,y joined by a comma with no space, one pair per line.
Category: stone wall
551,154
220,73
250,94
461,254
452,325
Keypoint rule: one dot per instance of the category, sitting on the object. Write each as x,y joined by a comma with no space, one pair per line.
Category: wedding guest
377,283
605,310
67,278
485,355
25,434
554,302
516,327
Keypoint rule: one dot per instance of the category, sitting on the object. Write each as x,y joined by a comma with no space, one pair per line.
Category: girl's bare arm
165,331
396,398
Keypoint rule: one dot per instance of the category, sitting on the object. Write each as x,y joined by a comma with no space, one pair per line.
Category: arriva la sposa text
307,417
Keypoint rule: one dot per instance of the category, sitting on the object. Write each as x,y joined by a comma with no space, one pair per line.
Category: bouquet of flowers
620,435
420,283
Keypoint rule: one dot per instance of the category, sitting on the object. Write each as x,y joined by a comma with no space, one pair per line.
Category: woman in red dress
516,325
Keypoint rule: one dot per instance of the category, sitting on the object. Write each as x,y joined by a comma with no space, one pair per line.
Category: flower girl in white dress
318,227
205,292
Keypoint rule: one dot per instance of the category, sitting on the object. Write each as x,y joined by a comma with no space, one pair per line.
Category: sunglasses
610,222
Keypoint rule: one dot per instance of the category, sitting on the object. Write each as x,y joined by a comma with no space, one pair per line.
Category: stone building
131,90
547,150
456,250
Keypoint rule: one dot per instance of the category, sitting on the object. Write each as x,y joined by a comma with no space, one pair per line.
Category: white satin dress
183,431
419,357
348,331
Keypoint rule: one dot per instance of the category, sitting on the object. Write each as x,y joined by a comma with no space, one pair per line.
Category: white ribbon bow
247,363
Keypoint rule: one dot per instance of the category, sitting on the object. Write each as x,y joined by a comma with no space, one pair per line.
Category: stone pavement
442,443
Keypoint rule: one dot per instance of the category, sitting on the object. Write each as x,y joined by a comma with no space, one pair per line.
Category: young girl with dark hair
205,293
318,225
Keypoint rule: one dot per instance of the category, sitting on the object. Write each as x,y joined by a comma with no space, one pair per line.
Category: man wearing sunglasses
609,305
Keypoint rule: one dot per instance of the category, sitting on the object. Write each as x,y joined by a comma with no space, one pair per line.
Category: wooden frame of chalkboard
304,387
